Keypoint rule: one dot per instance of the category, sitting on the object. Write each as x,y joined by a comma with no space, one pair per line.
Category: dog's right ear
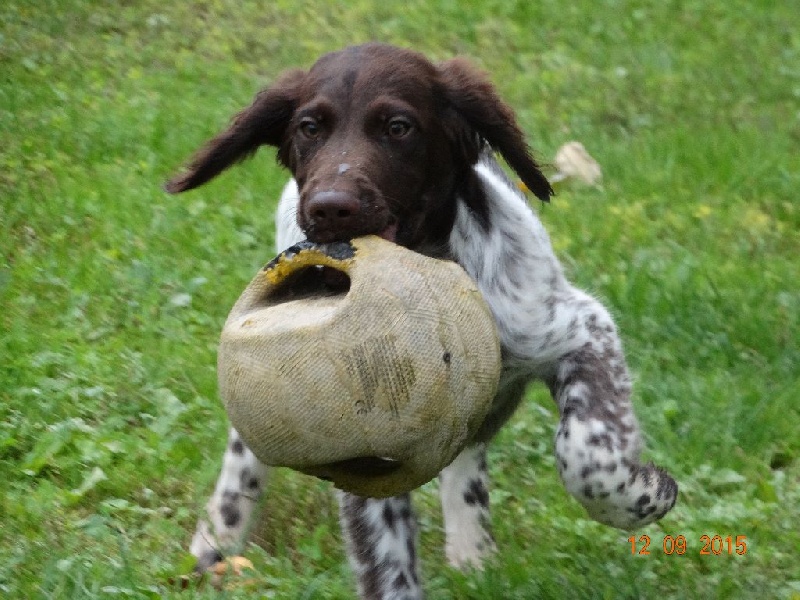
264,122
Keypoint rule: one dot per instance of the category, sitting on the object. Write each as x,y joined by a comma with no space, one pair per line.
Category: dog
379,140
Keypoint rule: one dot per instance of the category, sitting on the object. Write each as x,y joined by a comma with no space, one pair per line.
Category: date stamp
708,545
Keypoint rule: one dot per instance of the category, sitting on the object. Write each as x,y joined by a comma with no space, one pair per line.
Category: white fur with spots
549,331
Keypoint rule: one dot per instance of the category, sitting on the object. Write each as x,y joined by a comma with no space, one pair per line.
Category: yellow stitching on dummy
308,257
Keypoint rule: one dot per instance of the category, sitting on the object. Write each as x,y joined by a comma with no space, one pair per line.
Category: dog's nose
332,210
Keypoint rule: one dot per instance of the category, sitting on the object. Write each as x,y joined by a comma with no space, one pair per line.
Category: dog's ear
264,122
476,101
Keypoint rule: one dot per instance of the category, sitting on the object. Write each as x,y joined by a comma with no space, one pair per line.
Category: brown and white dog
379,140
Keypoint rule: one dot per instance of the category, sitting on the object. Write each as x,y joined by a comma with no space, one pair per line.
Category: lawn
113,293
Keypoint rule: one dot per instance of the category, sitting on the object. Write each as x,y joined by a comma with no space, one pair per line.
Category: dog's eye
310,128
398,127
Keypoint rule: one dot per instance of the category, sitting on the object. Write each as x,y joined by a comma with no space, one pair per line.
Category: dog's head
380,141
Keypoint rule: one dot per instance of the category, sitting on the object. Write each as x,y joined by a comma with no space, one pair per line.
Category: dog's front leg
230,509
381,546
598,438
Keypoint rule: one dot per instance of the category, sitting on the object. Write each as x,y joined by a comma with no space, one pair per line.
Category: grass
113,294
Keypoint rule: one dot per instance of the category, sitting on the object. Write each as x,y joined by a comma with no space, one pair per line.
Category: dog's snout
332,213
332,206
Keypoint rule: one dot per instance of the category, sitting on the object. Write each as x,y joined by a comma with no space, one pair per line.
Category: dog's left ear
476,101
264,122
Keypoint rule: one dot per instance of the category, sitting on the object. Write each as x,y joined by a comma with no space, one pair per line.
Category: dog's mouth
390,231
327,236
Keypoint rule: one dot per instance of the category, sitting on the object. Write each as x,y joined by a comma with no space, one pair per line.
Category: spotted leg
242,479
381,546
465,504
230,508
598,439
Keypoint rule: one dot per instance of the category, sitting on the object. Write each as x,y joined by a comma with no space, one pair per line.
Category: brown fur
379,139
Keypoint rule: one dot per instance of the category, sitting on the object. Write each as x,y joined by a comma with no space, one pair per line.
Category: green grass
113,294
